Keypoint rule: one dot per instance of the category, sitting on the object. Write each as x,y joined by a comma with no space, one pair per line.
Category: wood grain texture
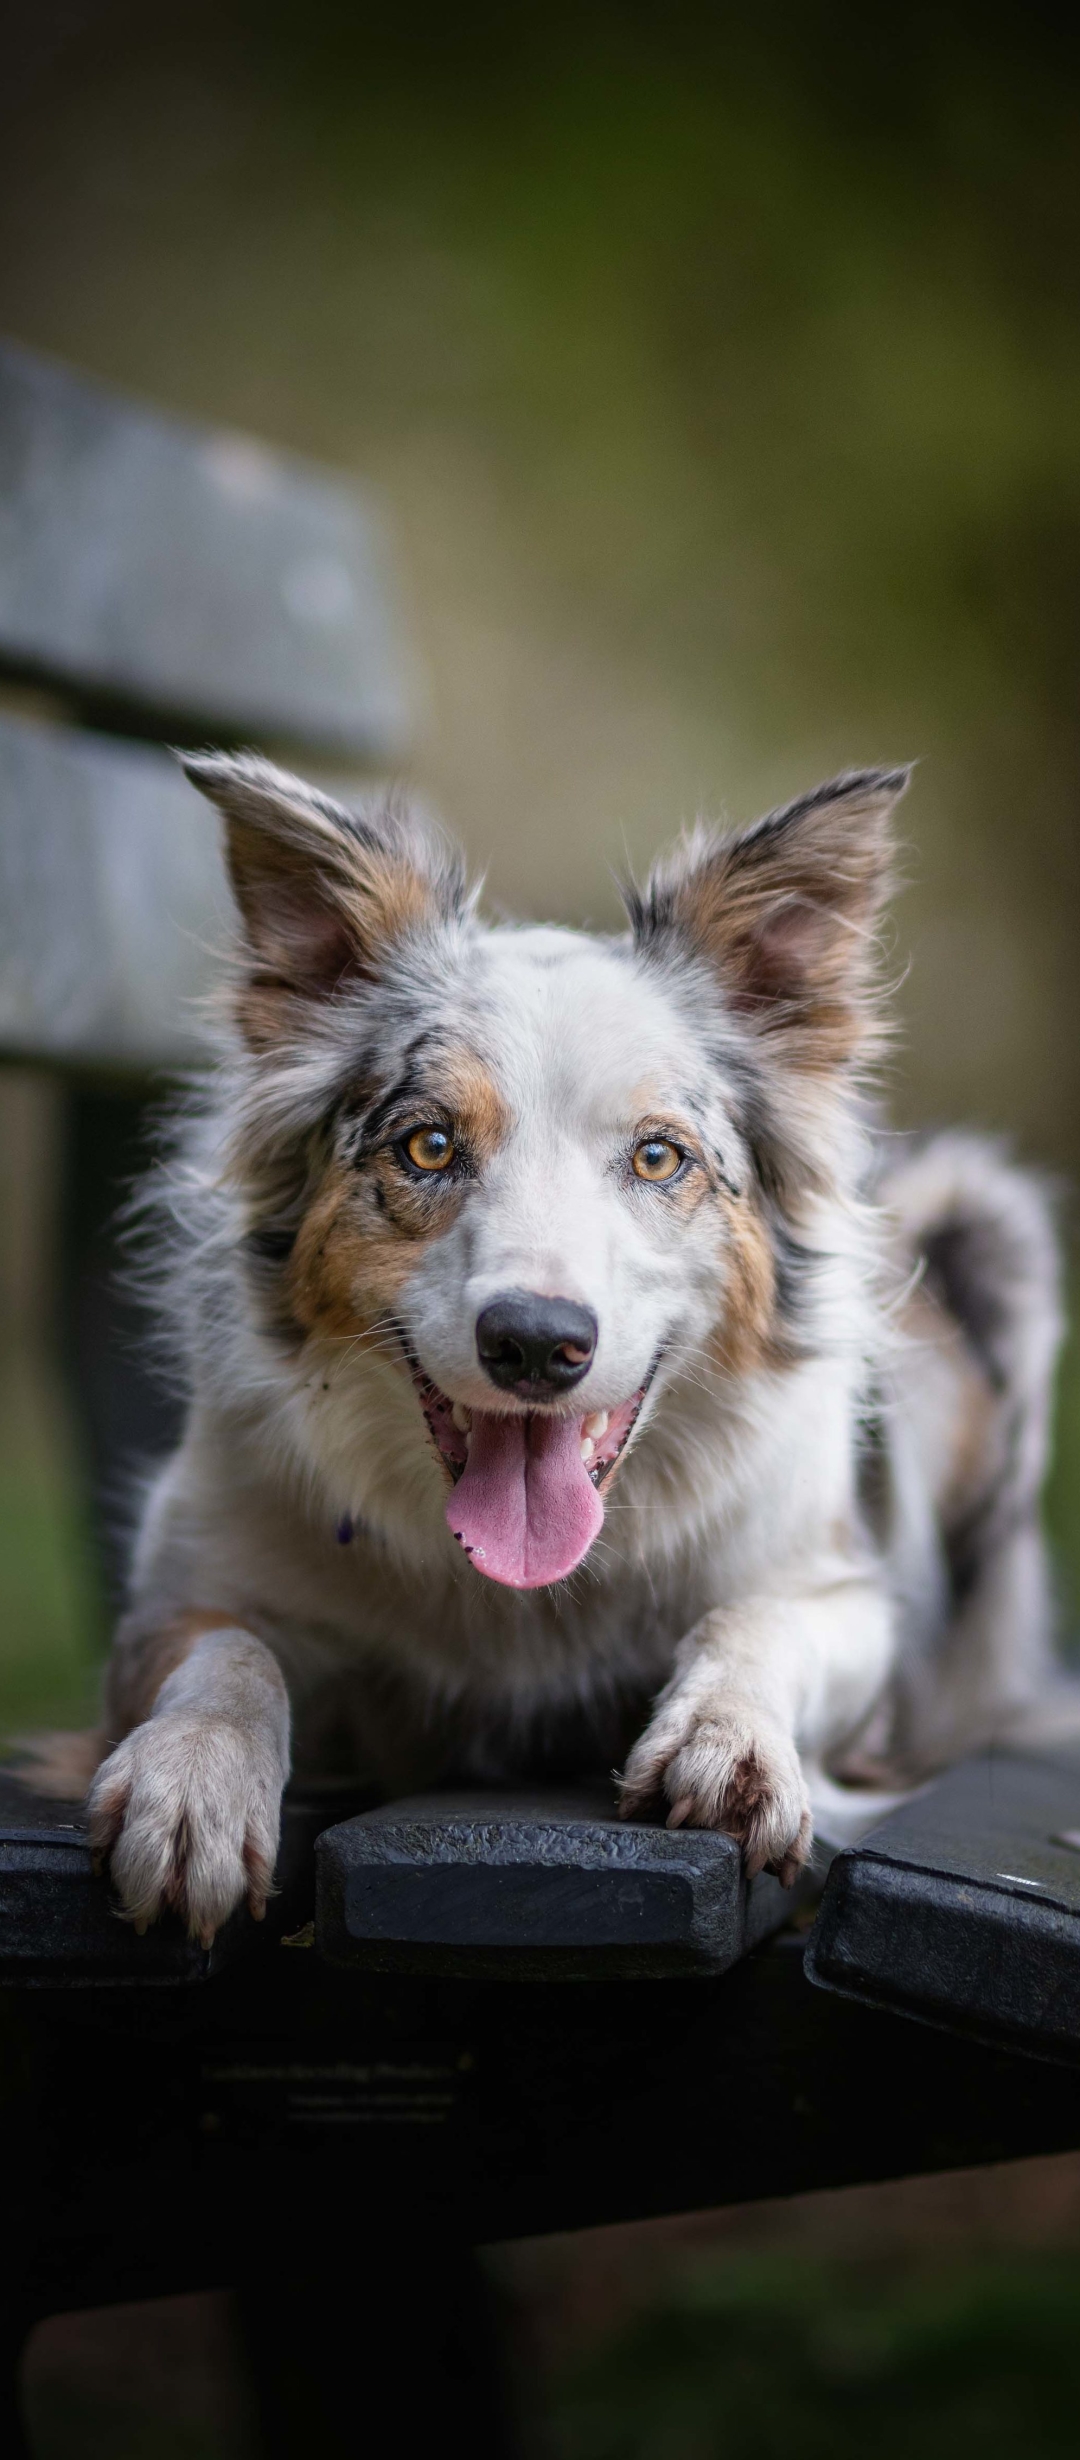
222,589
553,1885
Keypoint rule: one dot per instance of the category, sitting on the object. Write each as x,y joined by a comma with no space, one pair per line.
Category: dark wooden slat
157,567
963,1908
250,2112
492,1886
504,1884
59,1928
58,1920
112,901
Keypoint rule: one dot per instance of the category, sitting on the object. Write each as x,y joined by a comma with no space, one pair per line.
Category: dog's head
504,1187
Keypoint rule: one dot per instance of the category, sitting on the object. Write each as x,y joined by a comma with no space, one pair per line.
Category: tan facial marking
352,1253
746,1337
657,1126
361,1236
481,1116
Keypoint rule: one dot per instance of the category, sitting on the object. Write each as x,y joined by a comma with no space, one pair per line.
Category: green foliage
49,1606
757,2360
1063,1494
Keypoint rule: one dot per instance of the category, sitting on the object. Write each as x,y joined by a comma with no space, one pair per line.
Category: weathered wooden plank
501,1885
963,1908
58,1917
251,2114
152,564
113,901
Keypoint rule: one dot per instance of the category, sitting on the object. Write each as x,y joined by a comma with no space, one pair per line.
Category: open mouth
528,1489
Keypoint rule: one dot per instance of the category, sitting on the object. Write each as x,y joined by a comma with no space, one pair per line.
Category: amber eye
656,1158
429,1148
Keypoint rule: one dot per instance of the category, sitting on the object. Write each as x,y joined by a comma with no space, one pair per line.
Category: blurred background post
719,370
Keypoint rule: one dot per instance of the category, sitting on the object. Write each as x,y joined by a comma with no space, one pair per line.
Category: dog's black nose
535,1346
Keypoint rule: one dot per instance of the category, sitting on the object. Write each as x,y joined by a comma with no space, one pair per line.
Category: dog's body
449,1177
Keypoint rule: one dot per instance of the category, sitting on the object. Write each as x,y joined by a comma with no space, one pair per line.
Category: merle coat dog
577,1376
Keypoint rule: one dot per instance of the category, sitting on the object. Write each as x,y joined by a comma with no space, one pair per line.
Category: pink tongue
525,1508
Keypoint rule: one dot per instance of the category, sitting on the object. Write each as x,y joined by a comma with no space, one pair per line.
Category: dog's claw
722,1767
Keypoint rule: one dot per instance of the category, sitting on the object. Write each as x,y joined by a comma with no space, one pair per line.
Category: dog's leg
187,1807
754,1685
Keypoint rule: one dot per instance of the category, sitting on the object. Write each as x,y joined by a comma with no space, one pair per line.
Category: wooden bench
468,2018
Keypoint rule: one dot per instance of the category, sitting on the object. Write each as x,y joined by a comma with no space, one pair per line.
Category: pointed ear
784,913
322,891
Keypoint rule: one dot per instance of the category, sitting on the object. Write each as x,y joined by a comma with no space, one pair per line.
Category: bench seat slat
113,901
501,1885
963,1908
151,564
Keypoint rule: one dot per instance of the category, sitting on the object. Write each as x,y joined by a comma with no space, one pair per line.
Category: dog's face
558,1180
512,1184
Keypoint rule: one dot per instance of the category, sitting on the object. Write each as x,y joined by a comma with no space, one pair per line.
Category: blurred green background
721,376
720,371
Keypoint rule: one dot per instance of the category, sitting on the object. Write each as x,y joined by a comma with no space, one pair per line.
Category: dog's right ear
323,892
783,916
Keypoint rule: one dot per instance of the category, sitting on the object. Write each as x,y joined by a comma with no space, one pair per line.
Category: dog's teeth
462,1417
468,1439
598,1423
587,1447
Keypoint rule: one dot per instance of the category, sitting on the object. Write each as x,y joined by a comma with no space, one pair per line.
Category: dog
578,1375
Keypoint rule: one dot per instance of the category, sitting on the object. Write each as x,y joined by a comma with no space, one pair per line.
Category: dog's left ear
784,913
323,893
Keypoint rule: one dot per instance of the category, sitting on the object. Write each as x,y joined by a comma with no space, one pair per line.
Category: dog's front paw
718,1763
186,1812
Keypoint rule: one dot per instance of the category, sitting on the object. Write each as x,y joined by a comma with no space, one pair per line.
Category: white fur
741,1582
188,1804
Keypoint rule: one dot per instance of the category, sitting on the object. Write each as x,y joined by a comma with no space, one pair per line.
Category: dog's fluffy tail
982,1327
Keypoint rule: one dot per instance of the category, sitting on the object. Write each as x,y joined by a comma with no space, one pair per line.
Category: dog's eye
656,1158
429,1148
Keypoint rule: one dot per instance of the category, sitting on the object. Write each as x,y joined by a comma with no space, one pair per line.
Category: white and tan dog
568,1376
